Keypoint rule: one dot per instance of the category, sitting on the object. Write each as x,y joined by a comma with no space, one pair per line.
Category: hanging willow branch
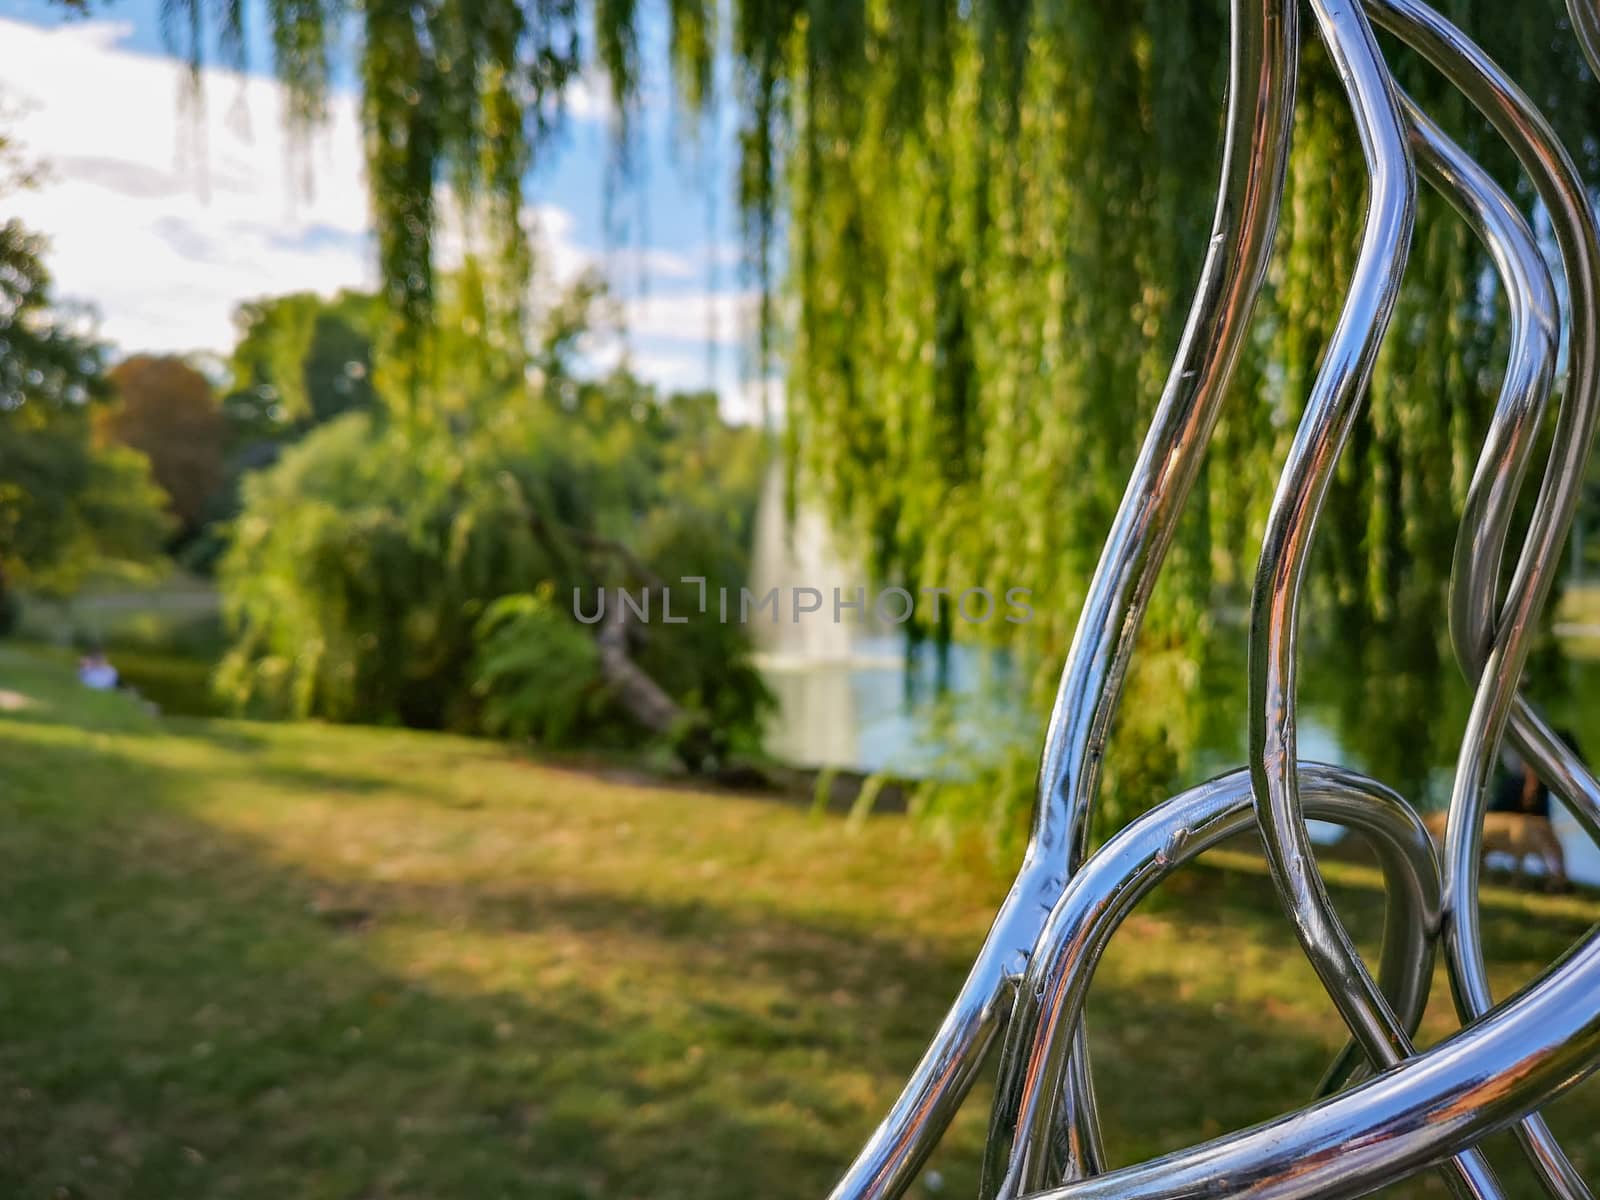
992,214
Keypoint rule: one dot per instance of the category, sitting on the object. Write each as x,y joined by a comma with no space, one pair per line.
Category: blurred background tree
165,409
67,505
300,360
988,216
421,561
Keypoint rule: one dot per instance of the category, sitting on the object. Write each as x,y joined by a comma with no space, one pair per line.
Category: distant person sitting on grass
95,671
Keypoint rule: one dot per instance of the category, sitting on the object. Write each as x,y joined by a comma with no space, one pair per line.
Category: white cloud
636,262
164,214
728,318
742,395
588,98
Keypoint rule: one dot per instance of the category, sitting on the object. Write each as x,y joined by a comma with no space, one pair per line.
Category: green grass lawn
270,961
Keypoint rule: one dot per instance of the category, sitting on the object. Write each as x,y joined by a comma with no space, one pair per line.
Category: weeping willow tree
996,217
988,216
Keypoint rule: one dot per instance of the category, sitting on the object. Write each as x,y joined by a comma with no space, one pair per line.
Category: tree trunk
693,738
646,702
10,606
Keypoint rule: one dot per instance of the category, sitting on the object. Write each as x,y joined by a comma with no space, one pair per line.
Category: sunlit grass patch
258,960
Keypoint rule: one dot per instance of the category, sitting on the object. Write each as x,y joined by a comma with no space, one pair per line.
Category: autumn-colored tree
165,408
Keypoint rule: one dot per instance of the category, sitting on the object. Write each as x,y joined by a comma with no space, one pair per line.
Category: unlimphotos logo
890,606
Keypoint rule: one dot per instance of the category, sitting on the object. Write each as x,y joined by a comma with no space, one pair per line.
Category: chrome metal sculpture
1026,990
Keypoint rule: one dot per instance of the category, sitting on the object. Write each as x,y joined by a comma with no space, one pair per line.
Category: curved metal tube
1524,391
1260,95
1537,1045
1484,527
1559,186
1585,16
1494,658
1286,549
1057,918
1485,524
1491,499
1262,62
1125,870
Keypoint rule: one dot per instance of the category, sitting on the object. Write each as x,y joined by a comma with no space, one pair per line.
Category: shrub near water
536,673
397,571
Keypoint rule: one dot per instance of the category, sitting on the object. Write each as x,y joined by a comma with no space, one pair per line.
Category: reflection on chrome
1400,1111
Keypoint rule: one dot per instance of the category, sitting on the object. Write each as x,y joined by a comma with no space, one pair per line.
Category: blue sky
164,222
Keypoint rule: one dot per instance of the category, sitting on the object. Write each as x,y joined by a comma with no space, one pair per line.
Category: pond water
849,694
876,708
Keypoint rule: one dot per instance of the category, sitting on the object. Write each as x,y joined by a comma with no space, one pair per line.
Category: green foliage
996,220
994,214
350,573
300,360
706,661
47,355
382,913
66,505
536,672
417,563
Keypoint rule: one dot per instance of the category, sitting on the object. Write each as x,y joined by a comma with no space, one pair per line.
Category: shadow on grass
184,1016
192,1024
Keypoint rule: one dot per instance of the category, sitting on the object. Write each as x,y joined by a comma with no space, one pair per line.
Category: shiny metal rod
1540,1043
1330,414
1034,970
1263,57
1129,866
1585,16
1494,658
